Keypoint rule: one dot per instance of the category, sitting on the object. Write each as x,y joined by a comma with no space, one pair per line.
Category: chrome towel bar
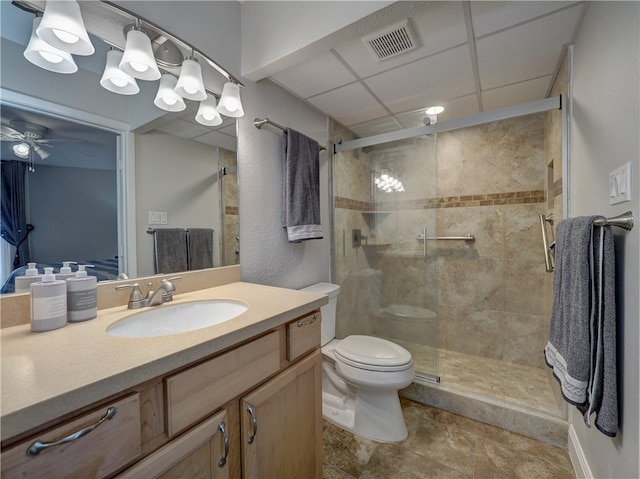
467,237
260,122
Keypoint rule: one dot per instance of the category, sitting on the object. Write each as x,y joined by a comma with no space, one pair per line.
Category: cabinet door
200,453
282,424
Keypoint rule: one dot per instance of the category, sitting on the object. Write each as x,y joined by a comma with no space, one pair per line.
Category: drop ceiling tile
489,17
440,26
184,128
516,94
427,82
349,104
528,51
315,76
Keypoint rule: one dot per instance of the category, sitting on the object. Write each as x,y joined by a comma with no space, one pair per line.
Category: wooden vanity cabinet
257,405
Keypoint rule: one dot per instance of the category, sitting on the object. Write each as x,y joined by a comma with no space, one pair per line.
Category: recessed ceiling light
434,110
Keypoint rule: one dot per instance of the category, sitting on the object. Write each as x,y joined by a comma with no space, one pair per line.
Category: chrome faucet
163,294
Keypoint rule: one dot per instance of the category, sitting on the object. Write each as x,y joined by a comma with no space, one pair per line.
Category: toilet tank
328,311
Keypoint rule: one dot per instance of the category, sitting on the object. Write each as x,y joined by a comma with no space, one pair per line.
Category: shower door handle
424,242
549,262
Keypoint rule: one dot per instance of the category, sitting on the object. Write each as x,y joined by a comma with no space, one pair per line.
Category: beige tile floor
514,383
442,445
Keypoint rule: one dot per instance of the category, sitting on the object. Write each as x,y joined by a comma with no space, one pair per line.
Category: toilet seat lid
377,354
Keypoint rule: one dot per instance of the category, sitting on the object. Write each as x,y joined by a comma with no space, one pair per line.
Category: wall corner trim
578,457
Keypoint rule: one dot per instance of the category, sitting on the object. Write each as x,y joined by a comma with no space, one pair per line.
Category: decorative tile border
231,210
490,199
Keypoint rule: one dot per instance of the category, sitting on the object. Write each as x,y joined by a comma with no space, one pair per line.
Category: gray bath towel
301,196
170,250
582,337
200,248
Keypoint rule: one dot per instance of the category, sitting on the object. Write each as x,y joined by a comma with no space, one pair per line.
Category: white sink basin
164,319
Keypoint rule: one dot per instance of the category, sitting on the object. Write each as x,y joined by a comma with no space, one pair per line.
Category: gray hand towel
200,248
301,196
170,250
581,346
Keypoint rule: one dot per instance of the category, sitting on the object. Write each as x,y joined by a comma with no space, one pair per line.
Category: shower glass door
385,209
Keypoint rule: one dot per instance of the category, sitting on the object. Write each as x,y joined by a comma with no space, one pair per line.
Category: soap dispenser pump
31,275
65,271
82,301
48,303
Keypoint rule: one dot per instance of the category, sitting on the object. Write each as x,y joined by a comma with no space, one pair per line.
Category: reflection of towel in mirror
170,250
582,337
200,248
301,195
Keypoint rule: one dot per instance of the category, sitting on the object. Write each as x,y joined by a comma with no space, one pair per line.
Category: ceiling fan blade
9,132
42,153
55,140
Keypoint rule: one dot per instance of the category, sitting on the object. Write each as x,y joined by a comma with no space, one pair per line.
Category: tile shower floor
442,445
522,385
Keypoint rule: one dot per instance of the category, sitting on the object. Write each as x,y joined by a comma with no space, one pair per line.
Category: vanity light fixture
21,150
230,103
138,60
166,98
114,79
146,49
62,27
207,114
190,85
43,55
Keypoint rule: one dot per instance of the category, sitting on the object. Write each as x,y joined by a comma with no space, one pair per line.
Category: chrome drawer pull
254,424
305,323
223,459
37,447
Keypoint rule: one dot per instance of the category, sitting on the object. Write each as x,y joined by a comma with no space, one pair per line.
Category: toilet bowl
361,376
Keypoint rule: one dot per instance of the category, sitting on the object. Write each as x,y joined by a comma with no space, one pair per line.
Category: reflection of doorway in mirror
229,208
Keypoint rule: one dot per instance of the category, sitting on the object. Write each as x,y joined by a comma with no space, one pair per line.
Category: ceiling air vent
392,41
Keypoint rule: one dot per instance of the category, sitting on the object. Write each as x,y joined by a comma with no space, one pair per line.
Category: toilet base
373,416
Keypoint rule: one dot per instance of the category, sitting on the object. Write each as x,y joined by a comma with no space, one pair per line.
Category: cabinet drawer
194,393
108,447
303,335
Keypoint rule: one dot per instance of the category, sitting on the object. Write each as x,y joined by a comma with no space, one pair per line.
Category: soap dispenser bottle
82,301
65,271
48,303
31,275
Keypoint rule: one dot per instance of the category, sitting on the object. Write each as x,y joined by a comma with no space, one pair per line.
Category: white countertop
48,374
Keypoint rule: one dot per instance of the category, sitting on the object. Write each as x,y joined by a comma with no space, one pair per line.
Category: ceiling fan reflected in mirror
29,140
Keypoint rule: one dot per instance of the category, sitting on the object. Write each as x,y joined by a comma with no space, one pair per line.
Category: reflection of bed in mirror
103,270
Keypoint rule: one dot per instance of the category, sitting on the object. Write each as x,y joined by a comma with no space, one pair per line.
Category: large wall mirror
109,169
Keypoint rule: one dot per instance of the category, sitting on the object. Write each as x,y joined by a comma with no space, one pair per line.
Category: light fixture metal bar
155,31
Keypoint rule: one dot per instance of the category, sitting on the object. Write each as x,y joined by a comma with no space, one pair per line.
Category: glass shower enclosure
384,222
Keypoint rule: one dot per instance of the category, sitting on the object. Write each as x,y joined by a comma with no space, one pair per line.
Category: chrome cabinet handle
37,447
254,424
310,321
223,459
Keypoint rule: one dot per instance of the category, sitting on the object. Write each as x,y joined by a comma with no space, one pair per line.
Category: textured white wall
265,254
605,136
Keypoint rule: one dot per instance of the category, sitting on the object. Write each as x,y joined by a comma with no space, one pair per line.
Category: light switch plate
158,217
620,184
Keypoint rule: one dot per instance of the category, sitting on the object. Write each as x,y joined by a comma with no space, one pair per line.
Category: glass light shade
190,85
167,98
207,113
230,103
21,150
43,55
434,110
138,60
114,79
62,27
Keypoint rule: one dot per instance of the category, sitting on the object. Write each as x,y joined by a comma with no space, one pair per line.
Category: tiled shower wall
491,184
489,294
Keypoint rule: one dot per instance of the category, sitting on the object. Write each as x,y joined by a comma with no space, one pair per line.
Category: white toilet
361,376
